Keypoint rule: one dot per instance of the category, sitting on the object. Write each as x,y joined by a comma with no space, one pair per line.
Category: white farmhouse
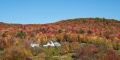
34,45
52,44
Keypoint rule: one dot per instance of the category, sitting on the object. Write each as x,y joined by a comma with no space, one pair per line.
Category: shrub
102,44
51,52
88,53
17,53
111,55
41,56
35,51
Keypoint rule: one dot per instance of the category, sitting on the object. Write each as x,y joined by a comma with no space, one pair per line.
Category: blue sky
48,11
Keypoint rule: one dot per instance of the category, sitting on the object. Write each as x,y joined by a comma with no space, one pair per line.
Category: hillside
97,26
105,28
87,35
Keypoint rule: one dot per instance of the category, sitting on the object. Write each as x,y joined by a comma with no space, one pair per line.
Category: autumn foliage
101,32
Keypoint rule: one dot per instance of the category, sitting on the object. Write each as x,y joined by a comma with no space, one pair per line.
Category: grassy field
63,57
1,54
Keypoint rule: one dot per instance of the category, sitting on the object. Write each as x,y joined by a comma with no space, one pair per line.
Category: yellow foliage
17,43
17,53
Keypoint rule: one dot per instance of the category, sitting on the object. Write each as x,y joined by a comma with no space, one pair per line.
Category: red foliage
111,55
92,26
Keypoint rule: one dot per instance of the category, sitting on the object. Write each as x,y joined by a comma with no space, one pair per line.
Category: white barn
52,44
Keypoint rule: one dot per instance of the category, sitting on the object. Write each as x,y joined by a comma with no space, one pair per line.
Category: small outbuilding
34,45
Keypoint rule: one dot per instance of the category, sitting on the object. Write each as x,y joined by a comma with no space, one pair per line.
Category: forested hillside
74,31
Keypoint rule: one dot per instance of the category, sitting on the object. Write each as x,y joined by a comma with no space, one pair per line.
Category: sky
48,11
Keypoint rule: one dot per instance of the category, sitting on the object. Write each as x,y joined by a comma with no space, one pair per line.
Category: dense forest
83,38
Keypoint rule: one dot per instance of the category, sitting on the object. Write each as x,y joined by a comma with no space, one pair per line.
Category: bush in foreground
87,53
17,53
111,55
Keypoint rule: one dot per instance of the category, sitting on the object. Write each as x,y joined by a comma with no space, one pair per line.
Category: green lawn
63,57
35,58
1,54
